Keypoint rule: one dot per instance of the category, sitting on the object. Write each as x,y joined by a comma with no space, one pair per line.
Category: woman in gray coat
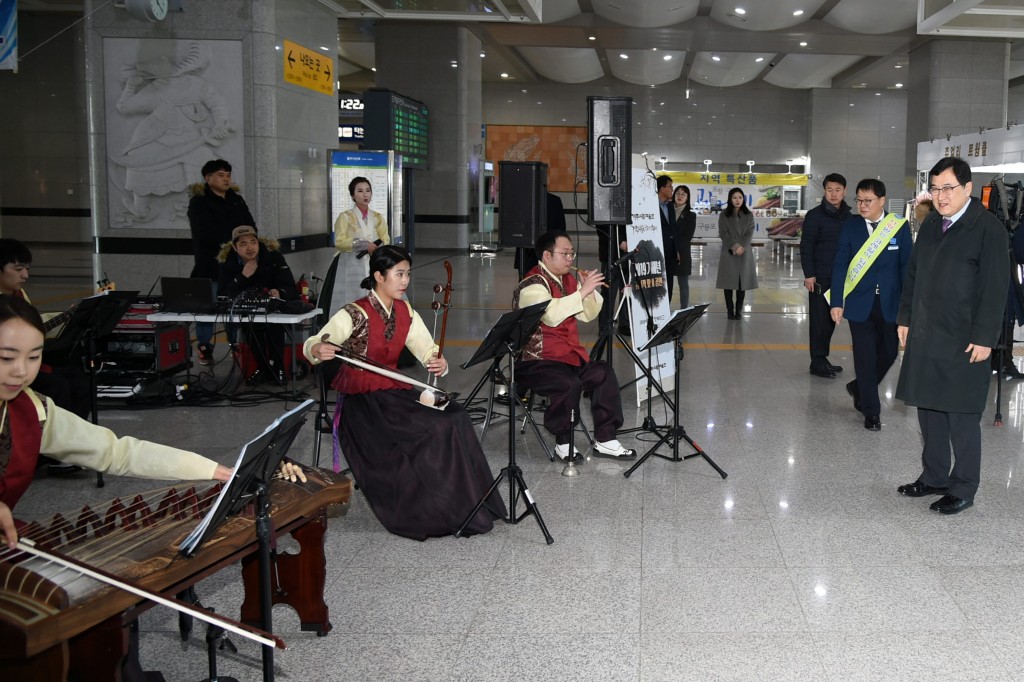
736,266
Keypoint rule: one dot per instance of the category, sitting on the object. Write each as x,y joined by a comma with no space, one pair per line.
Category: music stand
254,468
509,333
672,332
95,317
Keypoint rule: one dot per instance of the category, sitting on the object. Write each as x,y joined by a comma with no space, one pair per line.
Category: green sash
870,251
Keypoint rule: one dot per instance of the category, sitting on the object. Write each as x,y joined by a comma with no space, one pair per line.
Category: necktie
946,222
873,225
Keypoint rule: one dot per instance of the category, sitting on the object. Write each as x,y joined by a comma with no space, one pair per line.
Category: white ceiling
801,43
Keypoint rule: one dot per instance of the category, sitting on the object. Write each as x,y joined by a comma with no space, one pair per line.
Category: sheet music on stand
676,326
258,459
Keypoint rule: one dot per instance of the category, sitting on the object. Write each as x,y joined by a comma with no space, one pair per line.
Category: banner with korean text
648,291
764,191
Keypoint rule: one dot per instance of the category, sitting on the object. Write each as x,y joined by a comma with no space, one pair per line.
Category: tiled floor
803,564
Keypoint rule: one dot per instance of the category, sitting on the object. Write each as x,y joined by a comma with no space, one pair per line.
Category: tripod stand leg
490,491
531,506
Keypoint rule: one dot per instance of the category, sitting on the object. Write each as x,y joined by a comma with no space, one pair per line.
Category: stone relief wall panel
170,106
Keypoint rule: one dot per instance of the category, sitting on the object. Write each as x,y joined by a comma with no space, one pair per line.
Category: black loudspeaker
609,174
523,202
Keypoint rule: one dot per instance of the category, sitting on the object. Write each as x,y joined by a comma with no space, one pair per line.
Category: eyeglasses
565,254
943,191
865,202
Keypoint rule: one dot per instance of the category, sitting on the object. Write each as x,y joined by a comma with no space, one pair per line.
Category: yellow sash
870,251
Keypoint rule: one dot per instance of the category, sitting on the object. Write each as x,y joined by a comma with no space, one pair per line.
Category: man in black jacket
817,254
251,264
214,210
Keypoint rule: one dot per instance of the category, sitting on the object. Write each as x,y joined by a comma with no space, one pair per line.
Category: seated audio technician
251,264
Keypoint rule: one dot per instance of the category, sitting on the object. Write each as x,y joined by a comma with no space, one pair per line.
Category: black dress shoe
836,369
919,489
950,504
872,423
823,372
851,388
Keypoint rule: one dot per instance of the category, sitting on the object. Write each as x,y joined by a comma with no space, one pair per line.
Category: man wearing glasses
554,363
949,319
867,279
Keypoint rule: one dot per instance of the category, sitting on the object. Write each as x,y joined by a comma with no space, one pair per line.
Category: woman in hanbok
421,469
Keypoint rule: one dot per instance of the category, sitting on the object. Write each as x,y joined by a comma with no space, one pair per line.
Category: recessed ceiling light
759,60
591,37
482,55
324,48
803,44
623,55
797,12
667,58
740,11
374,69
654,49
524,90
715,58
504,75
899,85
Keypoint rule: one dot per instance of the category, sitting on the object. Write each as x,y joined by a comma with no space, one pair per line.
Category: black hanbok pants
564,385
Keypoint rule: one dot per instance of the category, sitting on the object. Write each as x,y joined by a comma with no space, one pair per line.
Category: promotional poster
648,291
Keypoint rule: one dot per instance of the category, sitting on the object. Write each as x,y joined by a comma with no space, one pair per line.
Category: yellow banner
308,68
739,179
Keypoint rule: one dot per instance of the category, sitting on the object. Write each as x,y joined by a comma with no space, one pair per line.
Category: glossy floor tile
804,563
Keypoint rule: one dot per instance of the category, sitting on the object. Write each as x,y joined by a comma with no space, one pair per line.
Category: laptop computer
188,295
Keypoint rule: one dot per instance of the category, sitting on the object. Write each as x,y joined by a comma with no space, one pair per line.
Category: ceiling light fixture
482,55
759,60
803,43
667,58
715,58
798,12
899,85
623,55
740,11
504,75
591,37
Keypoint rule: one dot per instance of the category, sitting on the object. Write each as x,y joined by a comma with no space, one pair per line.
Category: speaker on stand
522,208
609,178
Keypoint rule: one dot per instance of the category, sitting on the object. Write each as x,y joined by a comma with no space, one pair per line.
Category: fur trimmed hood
269,243
199,188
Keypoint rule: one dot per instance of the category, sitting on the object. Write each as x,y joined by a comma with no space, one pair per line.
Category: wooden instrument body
81,627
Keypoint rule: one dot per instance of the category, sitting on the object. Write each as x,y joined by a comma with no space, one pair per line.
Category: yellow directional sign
310,69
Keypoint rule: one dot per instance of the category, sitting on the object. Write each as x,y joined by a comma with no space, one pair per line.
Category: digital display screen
399,123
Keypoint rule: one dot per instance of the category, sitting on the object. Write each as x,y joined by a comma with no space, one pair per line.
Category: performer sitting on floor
554,363
30,425
421,469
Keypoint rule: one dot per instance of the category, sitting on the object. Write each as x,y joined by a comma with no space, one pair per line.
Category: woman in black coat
682,225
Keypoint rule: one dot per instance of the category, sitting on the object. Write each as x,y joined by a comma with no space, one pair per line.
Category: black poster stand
249,485
508,335
93,318
672,332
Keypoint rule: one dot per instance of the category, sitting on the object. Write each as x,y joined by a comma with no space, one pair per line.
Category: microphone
363,253
629,256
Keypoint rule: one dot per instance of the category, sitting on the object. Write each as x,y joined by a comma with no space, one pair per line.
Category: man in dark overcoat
817,255
949,320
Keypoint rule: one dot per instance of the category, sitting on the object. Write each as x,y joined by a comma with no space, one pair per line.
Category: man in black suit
668,243
949,320
817,254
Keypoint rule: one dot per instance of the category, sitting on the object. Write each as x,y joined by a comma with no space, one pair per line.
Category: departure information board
393,121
